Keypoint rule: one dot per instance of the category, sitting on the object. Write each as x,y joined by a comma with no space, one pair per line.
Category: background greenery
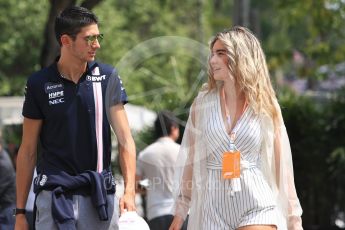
313,28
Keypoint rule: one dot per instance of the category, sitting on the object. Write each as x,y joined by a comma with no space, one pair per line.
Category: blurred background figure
7,190
31,197
156,163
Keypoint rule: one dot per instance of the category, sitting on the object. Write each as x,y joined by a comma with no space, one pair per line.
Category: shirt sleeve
116,92
183,193
285,175
277,167
31,108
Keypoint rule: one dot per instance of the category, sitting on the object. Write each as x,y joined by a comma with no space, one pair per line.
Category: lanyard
228,120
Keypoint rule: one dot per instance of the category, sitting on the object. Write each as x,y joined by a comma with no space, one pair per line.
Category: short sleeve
116,92
31,108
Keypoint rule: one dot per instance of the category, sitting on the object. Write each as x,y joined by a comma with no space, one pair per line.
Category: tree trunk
51,48
89,4
217,4
242,13
255,22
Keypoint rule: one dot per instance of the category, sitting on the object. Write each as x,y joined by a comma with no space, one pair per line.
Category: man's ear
65,40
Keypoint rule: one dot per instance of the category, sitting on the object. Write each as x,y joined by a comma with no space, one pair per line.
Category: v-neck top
248,137
253,204
235,127
212,202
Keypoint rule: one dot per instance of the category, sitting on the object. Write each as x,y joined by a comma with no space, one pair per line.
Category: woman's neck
233,103
232,93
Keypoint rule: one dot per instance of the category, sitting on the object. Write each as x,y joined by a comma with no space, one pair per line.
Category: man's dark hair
72,20
164,122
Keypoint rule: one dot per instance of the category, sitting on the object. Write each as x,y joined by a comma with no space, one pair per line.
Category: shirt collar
165,139
89,65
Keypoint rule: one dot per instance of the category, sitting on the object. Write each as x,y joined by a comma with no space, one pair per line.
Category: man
156,163
7,190
66,107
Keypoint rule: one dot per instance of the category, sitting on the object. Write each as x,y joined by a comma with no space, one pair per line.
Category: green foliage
219,16
22,24
335,128
283,26
315,28
168,75
163,74
318,153
144,138
305,128
12,86
12,135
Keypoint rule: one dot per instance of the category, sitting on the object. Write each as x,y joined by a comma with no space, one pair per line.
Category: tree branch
89,4
50,48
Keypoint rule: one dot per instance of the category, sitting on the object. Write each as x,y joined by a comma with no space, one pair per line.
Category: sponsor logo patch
56,101
95,78
43,180
50,87
55,92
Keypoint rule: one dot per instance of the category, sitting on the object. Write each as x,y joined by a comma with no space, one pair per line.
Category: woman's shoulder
201,102
206,93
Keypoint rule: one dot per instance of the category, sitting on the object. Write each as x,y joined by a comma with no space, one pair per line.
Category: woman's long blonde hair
247,63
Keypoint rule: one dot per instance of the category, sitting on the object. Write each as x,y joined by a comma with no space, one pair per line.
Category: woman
236,122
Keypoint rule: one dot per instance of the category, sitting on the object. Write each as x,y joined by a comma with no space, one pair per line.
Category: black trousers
163,223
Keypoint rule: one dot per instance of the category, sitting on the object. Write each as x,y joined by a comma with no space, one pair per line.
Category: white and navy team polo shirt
75,134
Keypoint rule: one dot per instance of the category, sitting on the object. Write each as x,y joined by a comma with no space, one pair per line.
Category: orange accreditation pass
231,165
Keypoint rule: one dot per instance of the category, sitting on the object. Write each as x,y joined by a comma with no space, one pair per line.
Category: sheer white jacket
276,166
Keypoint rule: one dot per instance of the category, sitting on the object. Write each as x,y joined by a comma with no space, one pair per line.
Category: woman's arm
184,192
285,175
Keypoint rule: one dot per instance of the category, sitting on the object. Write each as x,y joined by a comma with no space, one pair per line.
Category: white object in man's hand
132,221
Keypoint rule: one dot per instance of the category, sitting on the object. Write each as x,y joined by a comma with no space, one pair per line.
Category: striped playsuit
254,204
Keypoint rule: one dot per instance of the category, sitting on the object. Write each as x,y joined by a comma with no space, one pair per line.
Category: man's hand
21,222
127,203
176,224
119,123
